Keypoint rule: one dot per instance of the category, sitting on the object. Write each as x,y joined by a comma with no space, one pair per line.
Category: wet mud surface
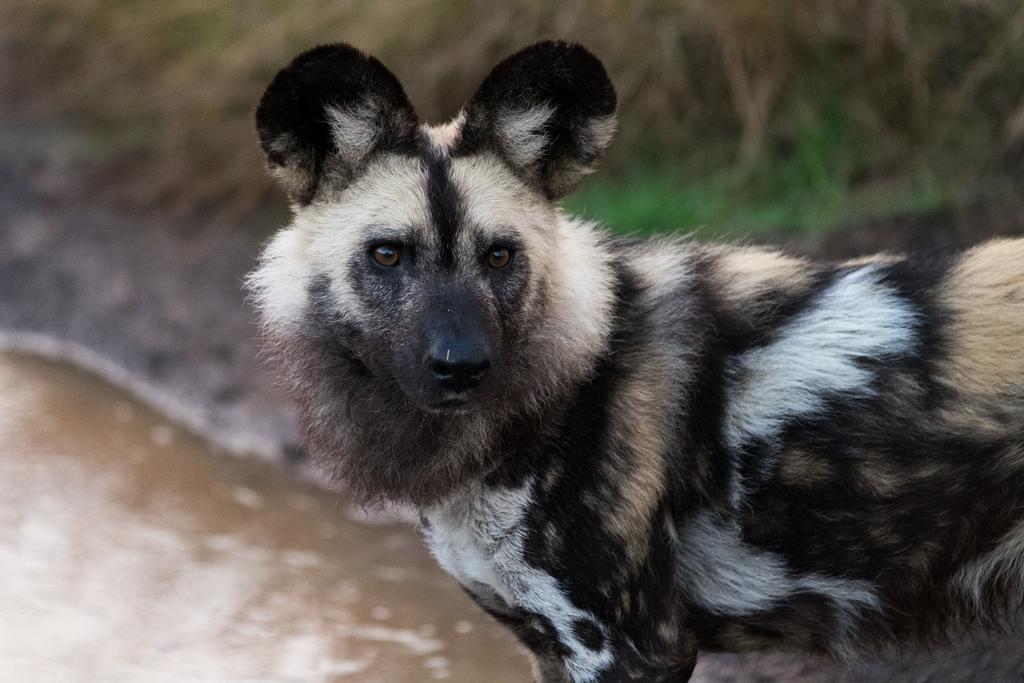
129,553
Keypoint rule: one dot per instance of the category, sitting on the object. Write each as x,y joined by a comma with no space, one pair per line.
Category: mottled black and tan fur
632,451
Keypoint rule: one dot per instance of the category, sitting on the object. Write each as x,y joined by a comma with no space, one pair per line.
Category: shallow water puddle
130,553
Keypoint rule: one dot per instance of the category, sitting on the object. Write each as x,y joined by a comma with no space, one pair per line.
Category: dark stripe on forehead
442,198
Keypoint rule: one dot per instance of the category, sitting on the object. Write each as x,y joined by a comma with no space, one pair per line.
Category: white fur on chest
479,539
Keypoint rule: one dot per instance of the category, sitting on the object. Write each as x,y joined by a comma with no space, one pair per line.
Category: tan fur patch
881,257
805,470
985,293
879,476
668,631
973,416
640,478
745,273
662,264
445,134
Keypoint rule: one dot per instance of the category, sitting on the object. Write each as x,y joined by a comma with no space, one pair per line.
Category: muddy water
130,553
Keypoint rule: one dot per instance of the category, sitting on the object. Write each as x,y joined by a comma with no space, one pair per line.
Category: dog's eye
498,257
385,255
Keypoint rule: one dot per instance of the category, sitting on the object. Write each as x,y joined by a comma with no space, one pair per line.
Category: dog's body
629,451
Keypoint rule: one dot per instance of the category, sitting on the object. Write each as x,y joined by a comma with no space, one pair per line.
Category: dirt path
154,305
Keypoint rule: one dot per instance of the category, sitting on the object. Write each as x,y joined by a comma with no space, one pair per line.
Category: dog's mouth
457,404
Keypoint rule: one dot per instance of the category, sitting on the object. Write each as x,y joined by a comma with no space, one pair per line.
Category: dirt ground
155,304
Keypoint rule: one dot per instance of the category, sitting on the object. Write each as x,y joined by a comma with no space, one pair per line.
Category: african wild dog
629,451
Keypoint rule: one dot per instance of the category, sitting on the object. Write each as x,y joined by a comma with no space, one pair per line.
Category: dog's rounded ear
548,111
326,113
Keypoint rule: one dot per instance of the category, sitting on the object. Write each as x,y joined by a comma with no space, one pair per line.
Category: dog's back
872,416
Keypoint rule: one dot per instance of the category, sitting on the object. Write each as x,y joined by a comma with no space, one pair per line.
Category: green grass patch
829,175
727,204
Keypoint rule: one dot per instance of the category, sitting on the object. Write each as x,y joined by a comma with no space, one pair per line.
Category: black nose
459,364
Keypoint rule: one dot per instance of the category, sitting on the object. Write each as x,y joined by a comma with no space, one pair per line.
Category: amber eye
498,257
385,255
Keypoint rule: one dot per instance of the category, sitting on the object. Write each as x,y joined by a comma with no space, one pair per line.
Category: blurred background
133,200
738,115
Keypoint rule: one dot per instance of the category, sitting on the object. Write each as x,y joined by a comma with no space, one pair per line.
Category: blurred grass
820,183
736,115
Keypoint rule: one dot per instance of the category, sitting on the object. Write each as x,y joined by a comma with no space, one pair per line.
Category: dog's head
429,277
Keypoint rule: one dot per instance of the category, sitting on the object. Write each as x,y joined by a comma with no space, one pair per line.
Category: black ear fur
311,104
548,110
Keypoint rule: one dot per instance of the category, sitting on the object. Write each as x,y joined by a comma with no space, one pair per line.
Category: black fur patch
562,76
535,631
292,122
443,200
589,634
918,282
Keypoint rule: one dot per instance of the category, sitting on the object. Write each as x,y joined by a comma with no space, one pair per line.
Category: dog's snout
458,363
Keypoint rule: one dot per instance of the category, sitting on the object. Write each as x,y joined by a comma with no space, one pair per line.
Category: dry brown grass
171,86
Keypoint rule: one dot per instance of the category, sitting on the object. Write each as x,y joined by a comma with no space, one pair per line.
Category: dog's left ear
326,113
548,111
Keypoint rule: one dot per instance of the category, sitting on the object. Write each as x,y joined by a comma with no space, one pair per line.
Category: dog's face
428,269
435,265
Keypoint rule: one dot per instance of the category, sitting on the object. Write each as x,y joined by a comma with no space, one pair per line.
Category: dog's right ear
548,111
325,114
